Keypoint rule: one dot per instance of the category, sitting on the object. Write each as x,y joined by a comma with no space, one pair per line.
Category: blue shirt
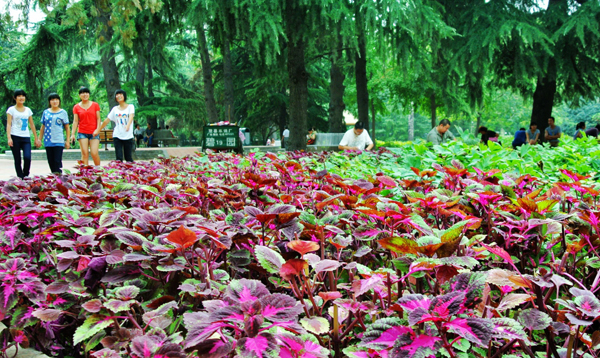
520,138
53,127
554,131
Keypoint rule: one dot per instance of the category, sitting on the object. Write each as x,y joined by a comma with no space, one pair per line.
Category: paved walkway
38,167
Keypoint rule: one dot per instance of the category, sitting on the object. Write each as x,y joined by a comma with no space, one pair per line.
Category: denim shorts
87,136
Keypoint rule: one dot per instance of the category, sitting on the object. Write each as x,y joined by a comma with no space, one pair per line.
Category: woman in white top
122,115
18,120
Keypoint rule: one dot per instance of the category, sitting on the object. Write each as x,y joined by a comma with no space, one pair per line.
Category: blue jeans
123,146
54,155
24,144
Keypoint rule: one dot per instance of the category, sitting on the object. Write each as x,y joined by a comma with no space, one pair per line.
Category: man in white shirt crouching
357,138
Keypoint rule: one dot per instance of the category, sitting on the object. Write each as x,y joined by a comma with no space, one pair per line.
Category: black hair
580,125
445,122
121,92
532,124
84,90
482,129
552,118
166,127
521,129
359,125
52,96
19,92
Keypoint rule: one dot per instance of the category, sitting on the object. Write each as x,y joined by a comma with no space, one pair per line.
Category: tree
547,54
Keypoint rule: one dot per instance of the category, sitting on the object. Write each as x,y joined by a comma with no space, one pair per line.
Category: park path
40,167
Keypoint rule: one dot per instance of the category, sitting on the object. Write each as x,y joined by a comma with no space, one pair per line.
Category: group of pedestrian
55,122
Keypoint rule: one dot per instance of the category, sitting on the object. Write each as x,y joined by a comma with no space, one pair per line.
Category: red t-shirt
88,120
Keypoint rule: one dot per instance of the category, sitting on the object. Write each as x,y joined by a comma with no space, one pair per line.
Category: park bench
328,139
164,137
106,137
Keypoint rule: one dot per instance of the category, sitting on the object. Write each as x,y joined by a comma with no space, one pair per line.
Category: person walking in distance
18,121
122,115
86,118
54,121
285,136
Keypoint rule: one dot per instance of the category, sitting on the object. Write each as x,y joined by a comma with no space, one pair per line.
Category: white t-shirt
20,121
359,141
286,132
121,117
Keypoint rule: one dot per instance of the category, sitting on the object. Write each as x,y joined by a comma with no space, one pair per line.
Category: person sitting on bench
149,135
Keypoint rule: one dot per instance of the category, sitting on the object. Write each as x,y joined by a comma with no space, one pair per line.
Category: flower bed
267,255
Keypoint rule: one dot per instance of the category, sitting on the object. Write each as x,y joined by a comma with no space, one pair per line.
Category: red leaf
528,205
63,189
500,252
445,273
188,209
292,267
183,237
160,301
83,263
326,296
303,247
287,217
264,218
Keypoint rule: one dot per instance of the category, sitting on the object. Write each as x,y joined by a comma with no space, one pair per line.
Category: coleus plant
109,261
247,319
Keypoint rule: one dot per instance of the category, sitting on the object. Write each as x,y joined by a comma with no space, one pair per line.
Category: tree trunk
209,89
107,53
545,89
433,110
336,92
373,134
478,123
411,123
297,76
227,78
360,71
543,101
153,120
283,115
140,77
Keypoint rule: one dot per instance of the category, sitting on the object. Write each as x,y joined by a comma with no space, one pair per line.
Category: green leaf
508,191
94,341
92,325
400,245
122,187
269,259
316,325
454,232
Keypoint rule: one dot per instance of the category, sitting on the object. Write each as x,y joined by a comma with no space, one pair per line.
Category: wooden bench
164,137
106,137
